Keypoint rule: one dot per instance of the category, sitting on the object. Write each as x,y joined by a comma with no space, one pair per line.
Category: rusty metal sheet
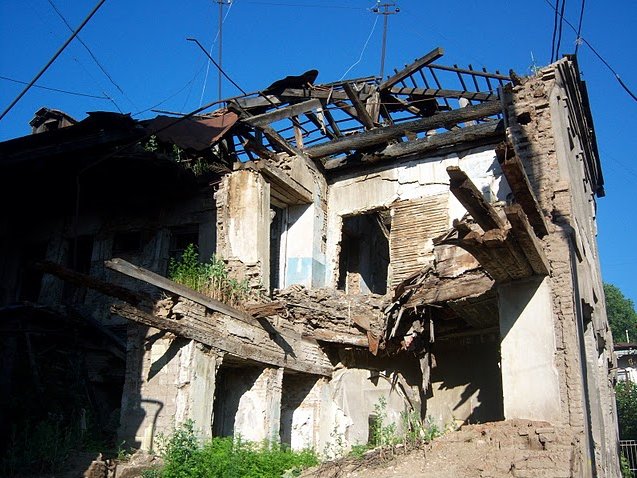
192,133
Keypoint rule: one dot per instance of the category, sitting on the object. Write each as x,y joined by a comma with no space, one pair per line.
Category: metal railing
629,450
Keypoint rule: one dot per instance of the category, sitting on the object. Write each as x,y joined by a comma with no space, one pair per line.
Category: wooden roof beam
439,93
361,112
283,113
383,135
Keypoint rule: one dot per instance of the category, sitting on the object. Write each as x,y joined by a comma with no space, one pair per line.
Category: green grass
184,457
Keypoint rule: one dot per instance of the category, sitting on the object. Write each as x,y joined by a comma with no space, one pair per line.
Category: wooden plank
506,254
441,93
523,235
519,182
361,112
384,135
471,198
136,272
412,68
466,71
305,357
250,144
283,113
277,140
286,95
319,125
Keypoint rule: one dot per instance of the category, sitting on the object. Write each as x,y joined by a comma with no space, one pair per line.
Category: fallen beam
235,338
84,280
325,335
472,199
361,112
521,187
383,135
136,272
435,290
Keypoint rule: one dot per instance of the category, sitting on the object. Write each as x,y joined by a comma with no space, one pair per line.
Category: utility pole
221,5
384,9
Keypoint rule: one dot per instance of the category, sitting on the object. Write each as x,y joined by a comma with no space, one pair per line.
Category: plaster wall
529,376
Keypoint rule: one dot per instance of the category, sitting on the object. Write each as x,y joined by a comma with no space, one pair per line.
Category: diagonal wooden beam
472,199
524,237
361,112
411,69
283,113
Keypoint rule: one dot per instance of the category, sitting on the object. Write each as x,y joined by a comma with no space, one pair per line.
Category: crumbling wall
383,186
544,131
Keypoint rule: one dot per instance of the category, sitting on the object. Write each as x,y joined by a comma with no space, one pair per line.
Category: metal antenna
384,9
221,4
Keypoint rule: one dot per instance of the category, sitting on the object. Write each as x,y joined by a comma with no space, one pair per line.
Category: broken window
181,237
364,257
127,243
278,226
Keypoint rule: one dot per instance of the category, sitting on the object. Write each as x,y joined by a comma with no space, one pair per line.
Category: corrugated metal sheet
413,223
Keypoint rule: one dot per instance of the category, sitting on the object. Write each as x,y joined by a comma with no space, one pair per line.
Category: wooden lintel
325,335
383,135
472,199
412,68
299,355
440,93
85,280
279,179
524,236
361,112
283,113
136,272
515,174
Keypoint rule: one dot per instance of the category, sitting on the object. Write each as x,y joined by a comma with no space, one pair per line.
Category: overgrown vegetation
184,457
626,396
210,278
622,316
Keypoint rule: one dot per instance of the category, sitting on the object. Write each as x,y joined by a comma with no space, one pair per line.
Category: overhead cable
87,95
53,58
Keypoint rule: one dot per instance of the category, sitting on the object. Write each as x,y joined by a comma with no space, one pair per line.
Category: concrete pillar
248,221
258,415
530,383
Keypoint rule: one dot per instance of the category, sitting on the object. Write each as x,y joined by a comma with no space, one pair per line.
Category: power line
53,58
170,97
217,65
87,95
555,20
387,9
86,47
218,36
308,5
612,70
579,26
363,50
559,34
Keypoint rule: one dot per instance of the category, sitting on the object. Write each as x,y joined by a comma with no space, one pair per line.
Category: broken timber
284,188
519,182
283,347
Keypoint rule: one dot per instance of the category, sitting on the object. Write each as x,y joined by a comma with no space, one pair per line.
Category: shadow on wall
467,383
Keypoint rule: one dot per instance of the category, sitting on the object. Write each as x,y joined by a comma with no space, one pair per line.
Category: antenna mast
384,9
221,5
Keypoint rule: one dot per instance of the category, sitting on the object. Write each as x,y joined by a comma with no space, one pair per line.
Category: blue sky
141,45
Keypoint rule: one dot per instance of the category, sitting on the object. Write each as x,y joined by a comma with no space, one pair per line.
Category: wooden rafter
361,112
411,69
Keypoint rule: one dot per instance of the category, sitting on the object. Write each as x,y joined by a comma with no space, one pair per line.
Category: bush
227,458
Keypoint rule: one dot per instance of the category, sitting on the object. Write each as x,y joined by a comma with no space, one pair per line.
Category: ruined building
428,240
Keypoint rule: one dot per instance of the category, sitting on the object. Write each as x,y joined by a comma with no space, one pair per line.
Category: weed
210,278
381,434
184,457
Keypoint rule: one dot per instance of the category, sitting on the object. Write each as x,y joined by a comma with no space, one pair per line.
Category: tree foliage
626,396
621,314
